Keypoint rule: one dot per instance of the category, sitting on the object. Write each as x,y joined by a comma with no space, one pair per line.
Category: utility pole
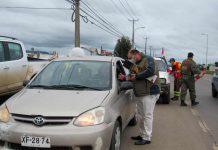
77,23
133,30
146,40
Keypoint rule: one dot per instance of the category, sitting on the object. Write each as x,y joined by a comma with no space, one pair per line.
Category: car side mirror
126,85
25,82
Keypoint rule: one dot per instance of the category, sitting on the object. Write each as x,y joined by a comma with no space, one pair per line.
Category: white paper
152,78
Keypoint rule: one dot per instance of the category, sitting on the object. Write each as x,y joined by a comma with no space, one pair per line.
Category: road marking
202,126
206,126
215,146
195,112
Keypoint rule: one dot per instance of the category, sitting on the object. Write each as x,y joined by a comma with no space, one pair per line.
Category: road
182,128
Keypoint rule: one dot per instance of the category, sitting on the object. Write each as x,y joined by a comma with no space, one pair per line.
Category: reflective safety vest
176,70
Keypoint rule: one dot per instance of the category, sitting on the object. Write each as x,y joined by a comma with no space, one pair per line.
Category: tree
216,64
122,47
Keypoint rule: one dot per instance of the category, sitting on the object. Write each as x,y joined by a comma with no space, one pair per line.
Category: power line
130,8
36,8
102,18
100,23
117,7
125,8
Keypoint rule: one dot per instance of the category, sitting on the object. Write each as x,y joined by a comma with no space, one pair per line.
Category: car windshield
85,75
161,65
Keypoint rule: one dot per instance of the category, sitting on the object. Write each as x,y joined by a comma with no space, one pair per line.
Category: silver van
74,103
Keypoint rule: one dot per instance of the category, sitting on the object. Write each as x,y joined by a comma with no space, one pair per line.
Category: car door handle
24,65
6,68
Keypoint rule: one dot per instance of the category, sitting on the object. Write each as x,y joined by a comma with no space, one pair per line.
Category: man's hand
121,77
132,77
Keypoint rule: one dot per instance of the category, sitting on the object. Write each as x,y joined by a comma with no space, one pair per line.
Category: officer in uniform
176,71
188,69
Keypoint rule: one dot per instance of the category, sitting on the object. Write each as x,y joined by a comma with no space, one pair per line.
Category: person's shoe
183,103
194,103
142,142
136,138
175,99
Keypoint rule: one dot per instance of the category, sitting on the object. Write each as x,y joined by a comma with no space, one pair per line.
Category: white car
74,103
13,65
164,79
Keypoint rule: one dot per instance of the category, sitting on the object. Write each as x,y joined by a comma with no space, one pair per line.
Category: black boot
176,98
183,103
194,103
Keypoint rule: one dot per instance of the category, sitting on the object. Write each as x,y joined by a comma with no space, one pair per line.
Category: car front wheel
116,137
214,92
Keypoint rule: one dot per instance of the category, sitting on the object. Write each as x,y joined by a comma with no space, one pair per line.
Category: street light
206,45
133,36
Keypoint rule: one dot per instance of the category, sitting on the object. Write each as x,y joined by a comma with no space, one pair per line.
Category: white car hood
55,102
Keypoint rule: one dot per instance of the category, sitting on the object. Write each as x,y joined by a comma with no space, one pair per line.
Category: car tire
214,92
116,137
133,121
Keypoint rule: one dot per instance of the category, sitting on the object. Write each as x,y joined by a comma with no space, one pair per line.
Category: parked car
215,84
164,79
14,65
73,103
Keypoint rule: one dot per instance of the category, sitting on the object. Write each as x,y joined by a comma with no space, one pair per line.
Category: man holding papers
145,79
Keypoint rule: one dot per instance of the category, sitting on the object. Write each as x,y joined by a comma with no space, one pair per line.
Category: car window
15,51
92,74
2,54
161,65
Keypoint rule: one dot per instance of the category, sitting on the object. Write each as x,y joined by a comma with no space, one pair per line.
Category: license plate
30,141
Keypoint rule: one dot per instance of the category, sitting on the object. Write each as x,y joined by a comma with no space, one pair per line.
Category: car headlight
4,114
91,118
162,81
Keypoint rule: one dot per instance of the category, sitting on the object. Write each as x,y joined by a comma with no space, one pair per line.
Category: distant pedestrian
146,94
176,72
188,69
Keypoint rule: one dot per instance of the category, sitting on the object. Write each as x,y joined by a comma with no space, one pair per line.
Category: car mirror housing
25,82
126,85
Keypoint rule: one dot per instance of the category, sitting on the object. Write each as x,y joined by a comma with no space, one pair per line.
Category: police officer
146,93
188,69
176,72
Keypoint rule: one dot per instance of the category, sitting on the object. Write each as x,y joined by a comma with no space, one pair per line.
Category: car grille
46,120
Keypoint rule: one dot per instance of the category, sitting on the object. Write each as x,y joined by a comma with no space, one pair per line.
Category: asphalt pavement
182,128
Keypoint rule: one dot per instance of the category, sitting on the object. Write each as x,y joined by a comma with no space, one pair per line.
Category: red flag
162,52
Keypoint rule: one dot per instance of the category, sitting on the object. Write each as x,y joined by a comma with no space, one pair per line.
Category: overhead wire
100,23
127,11
101,17
36,8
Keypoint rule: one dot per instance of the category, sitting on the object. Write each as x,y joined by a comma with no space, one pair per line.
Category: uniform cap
190,54
172,59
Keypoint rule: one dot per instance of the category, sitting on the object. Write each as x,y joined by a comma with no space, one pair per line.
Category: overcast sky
175,25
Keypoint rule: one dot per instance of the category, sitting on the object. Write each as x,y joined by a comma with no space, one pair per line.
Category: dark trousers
188,85
177,85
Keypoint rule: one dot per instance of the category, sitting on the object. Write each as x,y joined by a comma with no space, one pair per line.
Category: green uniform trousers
177,85
188,83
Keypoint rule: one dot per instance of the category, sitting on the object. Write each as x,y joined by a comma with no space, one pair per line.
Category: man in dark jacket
147,92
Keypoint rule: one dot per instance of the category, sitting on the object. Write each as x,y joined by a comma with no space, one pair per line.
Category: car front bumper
98,136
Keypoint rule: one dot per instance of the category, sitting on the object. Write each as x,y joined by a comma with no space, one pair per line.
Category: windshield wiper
38,86
71,86
83,87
